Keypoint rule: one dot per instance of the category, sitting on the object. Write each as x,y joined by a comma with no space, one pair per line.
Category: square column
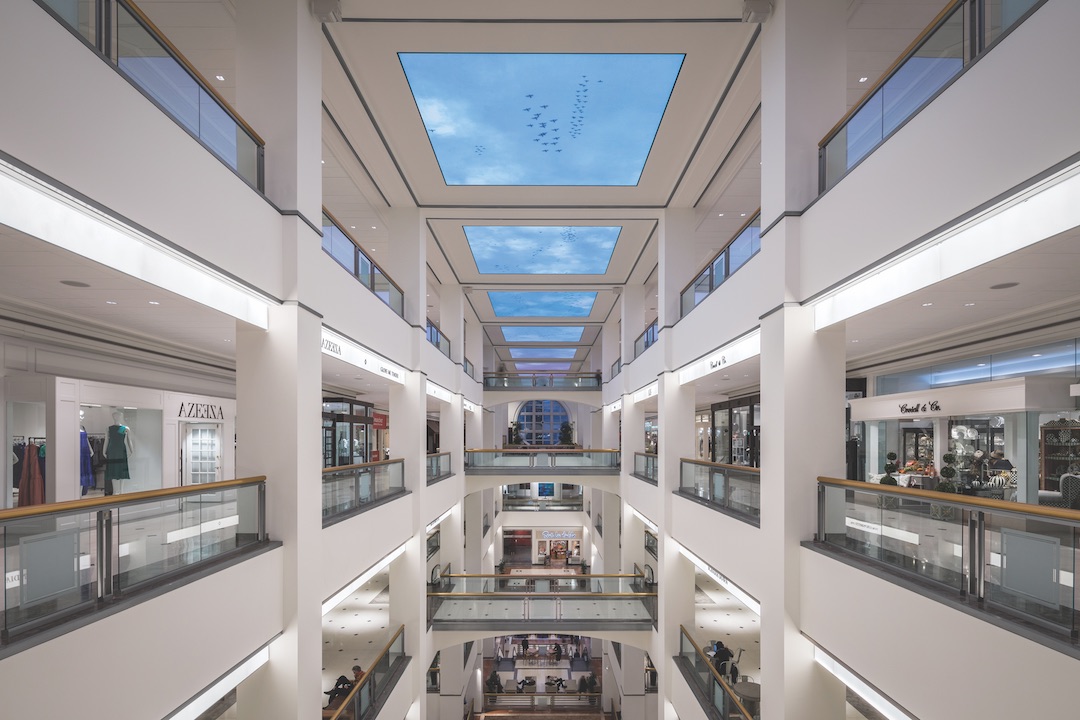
452,319
279,377
802,397
677,266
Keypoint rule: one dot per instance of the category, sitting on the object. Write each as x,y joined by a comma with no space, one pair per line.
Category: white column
278,385
677,266
473,509
802,397
407,264
632,311
452,433
452,319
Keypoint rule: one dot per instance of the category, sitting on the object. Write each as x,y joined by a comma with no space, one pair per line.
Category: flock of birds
568,238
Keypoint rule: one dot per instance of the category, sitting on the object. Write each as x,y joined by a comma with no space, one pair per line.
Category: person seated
344,685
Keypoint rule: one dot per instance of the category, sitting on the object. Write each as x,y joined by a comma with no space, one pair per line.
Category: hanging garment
19,449
32,482
86,472
117,455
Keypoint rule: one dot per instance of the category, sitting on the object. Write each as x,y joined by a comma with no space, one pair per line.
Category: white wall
191,636
352,546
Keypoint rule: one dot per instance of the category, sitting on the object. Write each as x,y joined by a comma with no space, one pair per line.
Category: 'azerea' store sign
201,411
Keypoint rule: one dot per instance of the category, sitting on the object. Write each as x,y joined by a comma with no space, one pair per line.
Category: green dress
116,456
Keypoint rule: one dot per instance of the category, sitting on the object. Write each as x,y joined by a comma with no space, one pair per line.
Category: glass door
721,436
201,459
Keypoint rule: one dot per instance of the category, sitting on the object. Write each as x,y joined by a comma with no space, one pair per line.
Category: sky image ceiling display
543,353
563,333
541,303
541,119
544,366
542,249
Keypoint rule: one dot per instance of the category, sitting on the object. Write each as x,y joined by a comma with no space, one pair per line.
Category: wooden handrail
367,675
360,466
543,577
645,454
900,59
523,595
716,675
438,454
71,506
1072,516
537,448
164,40
721,465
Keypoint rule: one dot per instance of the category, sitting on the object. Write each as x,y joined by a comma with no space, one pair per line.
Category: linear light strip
859,686
743,348
346,350
437,521
41,211
650,390
648,523
371,572
1041,212
731,587
438,392
203,702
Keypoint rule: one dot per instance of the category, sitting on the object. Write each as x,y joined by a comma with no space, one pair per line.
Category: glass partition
154,65
697,665
547,381
646,467
742,247
350,490
376,681
64,558
646,339
732,488
435,337
938,54
1018,561
341,246
438,467
542,462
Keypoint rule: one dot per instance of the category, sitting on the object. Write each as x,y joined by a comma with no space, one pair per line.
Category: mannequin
86,454
119,446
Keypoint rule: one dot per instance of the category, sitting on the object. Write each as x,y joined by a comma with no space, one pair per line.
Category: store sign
201,411
438,392
343,349
380,421
647,392
615,406
735,352
916,408
469,406
568,534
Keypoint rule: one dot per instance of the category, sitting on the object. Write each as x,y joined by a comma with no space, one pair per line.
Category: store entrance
736,431
200,453
517,546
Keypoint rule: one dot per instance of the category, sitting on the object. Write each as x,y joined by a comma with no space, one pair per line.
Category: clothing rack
18,438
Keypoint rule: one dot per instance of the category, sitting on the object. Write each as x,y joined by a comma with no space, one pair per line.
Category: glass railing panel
1029,568
79,15
438,467
646,467
50,567
731,487
718,271
381,285
374,684
651,544
364,270
718,691
616,368
151,65
338,245
744,247
1001,15
347,490
910,534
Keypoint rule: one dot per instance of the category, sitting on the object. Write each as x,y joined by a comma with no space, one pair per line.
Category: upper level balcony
542,461
542,381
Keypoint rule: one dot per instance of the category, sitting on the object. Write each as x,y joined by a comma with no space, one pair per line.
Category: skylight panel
542,250
562,333
556,303
541,366
543,353
541,119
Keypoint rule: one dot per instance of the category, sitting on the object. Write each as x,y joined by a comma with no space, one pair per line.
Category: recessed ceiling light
373,227
74,283
323,162
854,341
969,304
927,304
352,227
154,302
221,78
742,214
1004,286
1036,355
110,302
982,364
720,215
228,340
863,79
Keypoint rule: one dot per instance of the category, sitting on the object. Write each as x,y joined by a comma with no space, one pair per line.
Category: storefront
72,438
1028,421
542,546
736,431
347,432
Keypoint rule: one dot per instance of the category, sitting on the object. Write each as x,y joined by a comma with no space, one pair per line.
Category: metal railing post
262,512
104,565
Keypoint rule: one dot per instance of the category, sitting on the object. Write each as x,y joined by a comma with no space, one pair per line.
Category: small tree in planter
946,485
888,479
566,434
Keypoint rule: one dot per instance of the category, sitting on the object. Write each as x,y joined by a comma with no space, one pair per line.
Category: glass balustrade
646,339
435,337
438,467
354,488
646,467
745,245
732,488
1012,560
377,682
546,381
62,559
542,462
940,53
479,600
341,246
696,666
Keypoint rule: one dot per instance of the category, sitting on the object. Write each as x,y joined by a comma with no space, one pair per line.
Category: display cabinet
1059,452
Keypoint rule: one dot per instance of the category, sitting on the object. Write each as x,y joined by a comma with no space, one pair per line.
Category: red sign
375,456
380,421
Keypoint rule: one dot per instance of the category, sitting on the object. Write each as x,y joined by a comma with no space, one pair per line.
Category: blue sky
541,119
533,366
542,249
539,303
553,353
543,333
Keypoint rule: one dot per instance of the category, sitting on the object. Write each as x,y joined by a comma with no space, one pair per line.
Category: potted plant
887,501
947,484
566,433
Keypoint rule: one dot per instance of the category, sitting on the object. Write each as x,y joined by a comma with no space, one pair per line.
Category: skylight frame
592,239
498,299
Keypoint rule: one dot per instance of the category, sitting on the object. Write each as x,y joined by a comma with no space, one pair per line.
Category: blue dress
86,471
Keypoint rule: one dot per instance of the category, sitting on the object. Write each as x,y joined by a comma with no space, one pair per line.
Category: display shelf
1059,452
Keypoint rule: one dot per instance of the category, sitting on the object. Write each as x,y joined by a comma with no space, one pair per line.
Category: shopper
343,685
998,461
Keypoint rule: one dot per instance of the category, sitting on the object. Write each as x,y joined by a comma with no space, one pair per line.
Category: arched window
540,421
